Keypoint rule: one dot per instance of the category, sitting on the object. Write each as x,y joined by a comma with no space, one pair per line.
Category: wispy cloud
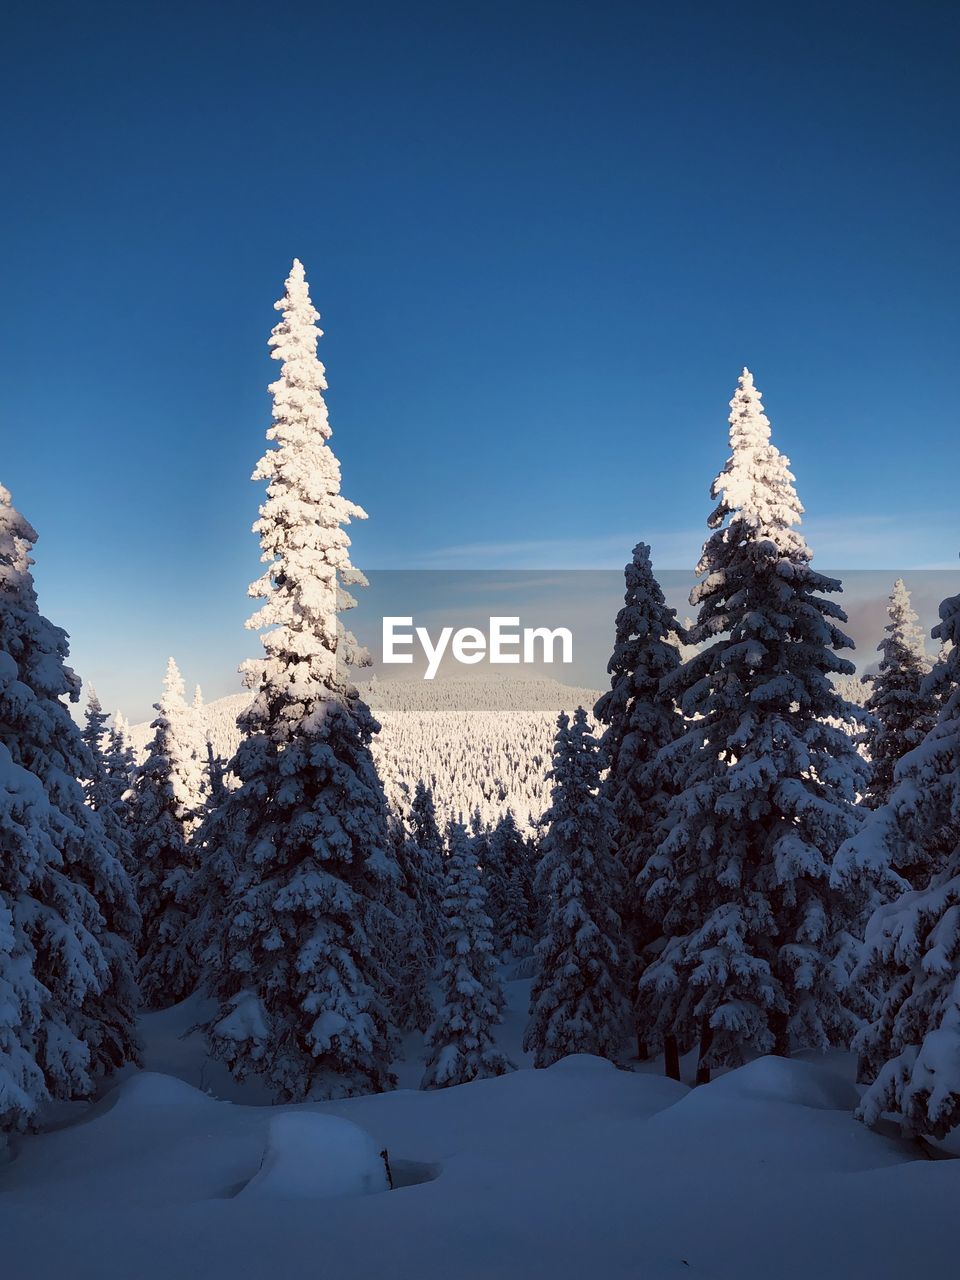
894,541
678,549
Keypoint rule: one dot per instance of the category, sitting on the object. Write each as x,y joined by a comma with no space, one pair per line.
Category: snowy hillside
480,742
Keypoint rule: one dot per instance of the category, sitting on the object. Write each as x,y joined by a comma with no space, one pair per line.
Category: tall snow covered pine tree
297,966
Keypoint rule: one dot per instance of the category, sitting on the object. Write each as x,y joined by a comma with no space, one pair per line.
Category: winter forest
490,982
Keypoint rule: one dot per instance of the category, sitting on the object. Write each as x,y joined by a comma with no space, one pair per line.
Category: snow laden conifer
900,704
201,743
508,881
577,1004
426,875
766,783
423,821
298,964
57,864
215,777
641,719
111,1013
120,767
516,924
460,1042
167,805
107,788
409,962
909,1052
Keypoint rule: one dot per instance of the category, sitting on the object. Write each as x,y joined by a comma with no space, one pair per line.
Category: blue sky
544,239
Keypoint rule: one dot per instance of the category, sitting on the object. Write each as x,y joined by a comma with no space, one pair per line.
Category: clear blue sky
544,238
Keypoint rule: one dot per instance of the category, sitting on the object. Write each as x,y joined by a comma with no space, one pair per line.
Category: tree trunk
642,1052
671,1058
778,1025
706,1039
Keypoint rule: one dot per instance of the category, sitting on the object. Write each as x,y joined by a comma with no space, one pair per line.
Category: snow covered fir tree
296,966
507,870
641,719
577,1003
461,1042
114,1040
766,782
901,703
425,875
408,956
65,901
909,850
167,805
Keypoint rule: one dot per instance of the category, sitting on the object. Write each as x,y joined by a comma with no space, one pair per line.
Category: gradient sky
544,239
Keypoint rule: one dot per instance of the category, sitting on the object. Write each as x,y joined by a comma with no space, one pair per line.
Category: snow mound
581,1063
316,1157
803,1084
150,1090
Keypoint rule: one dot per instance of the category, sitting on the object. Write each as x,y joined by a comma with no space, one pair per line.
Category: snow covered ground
578,1171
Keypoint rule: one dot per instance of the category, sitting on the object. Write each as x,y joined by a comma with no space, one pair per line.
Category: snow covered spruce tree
909,1053
408,962
57,865
938,681
423,821
766,786
120,768
201,743
102,788
215,778
577,1004
516,926
298,964
167,805
900,703
507,878
427,882
471,998
113,1011
641,719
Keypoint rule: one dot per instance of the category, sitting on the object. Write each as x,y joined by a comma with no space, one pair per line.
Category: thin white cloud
894,541
676,550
